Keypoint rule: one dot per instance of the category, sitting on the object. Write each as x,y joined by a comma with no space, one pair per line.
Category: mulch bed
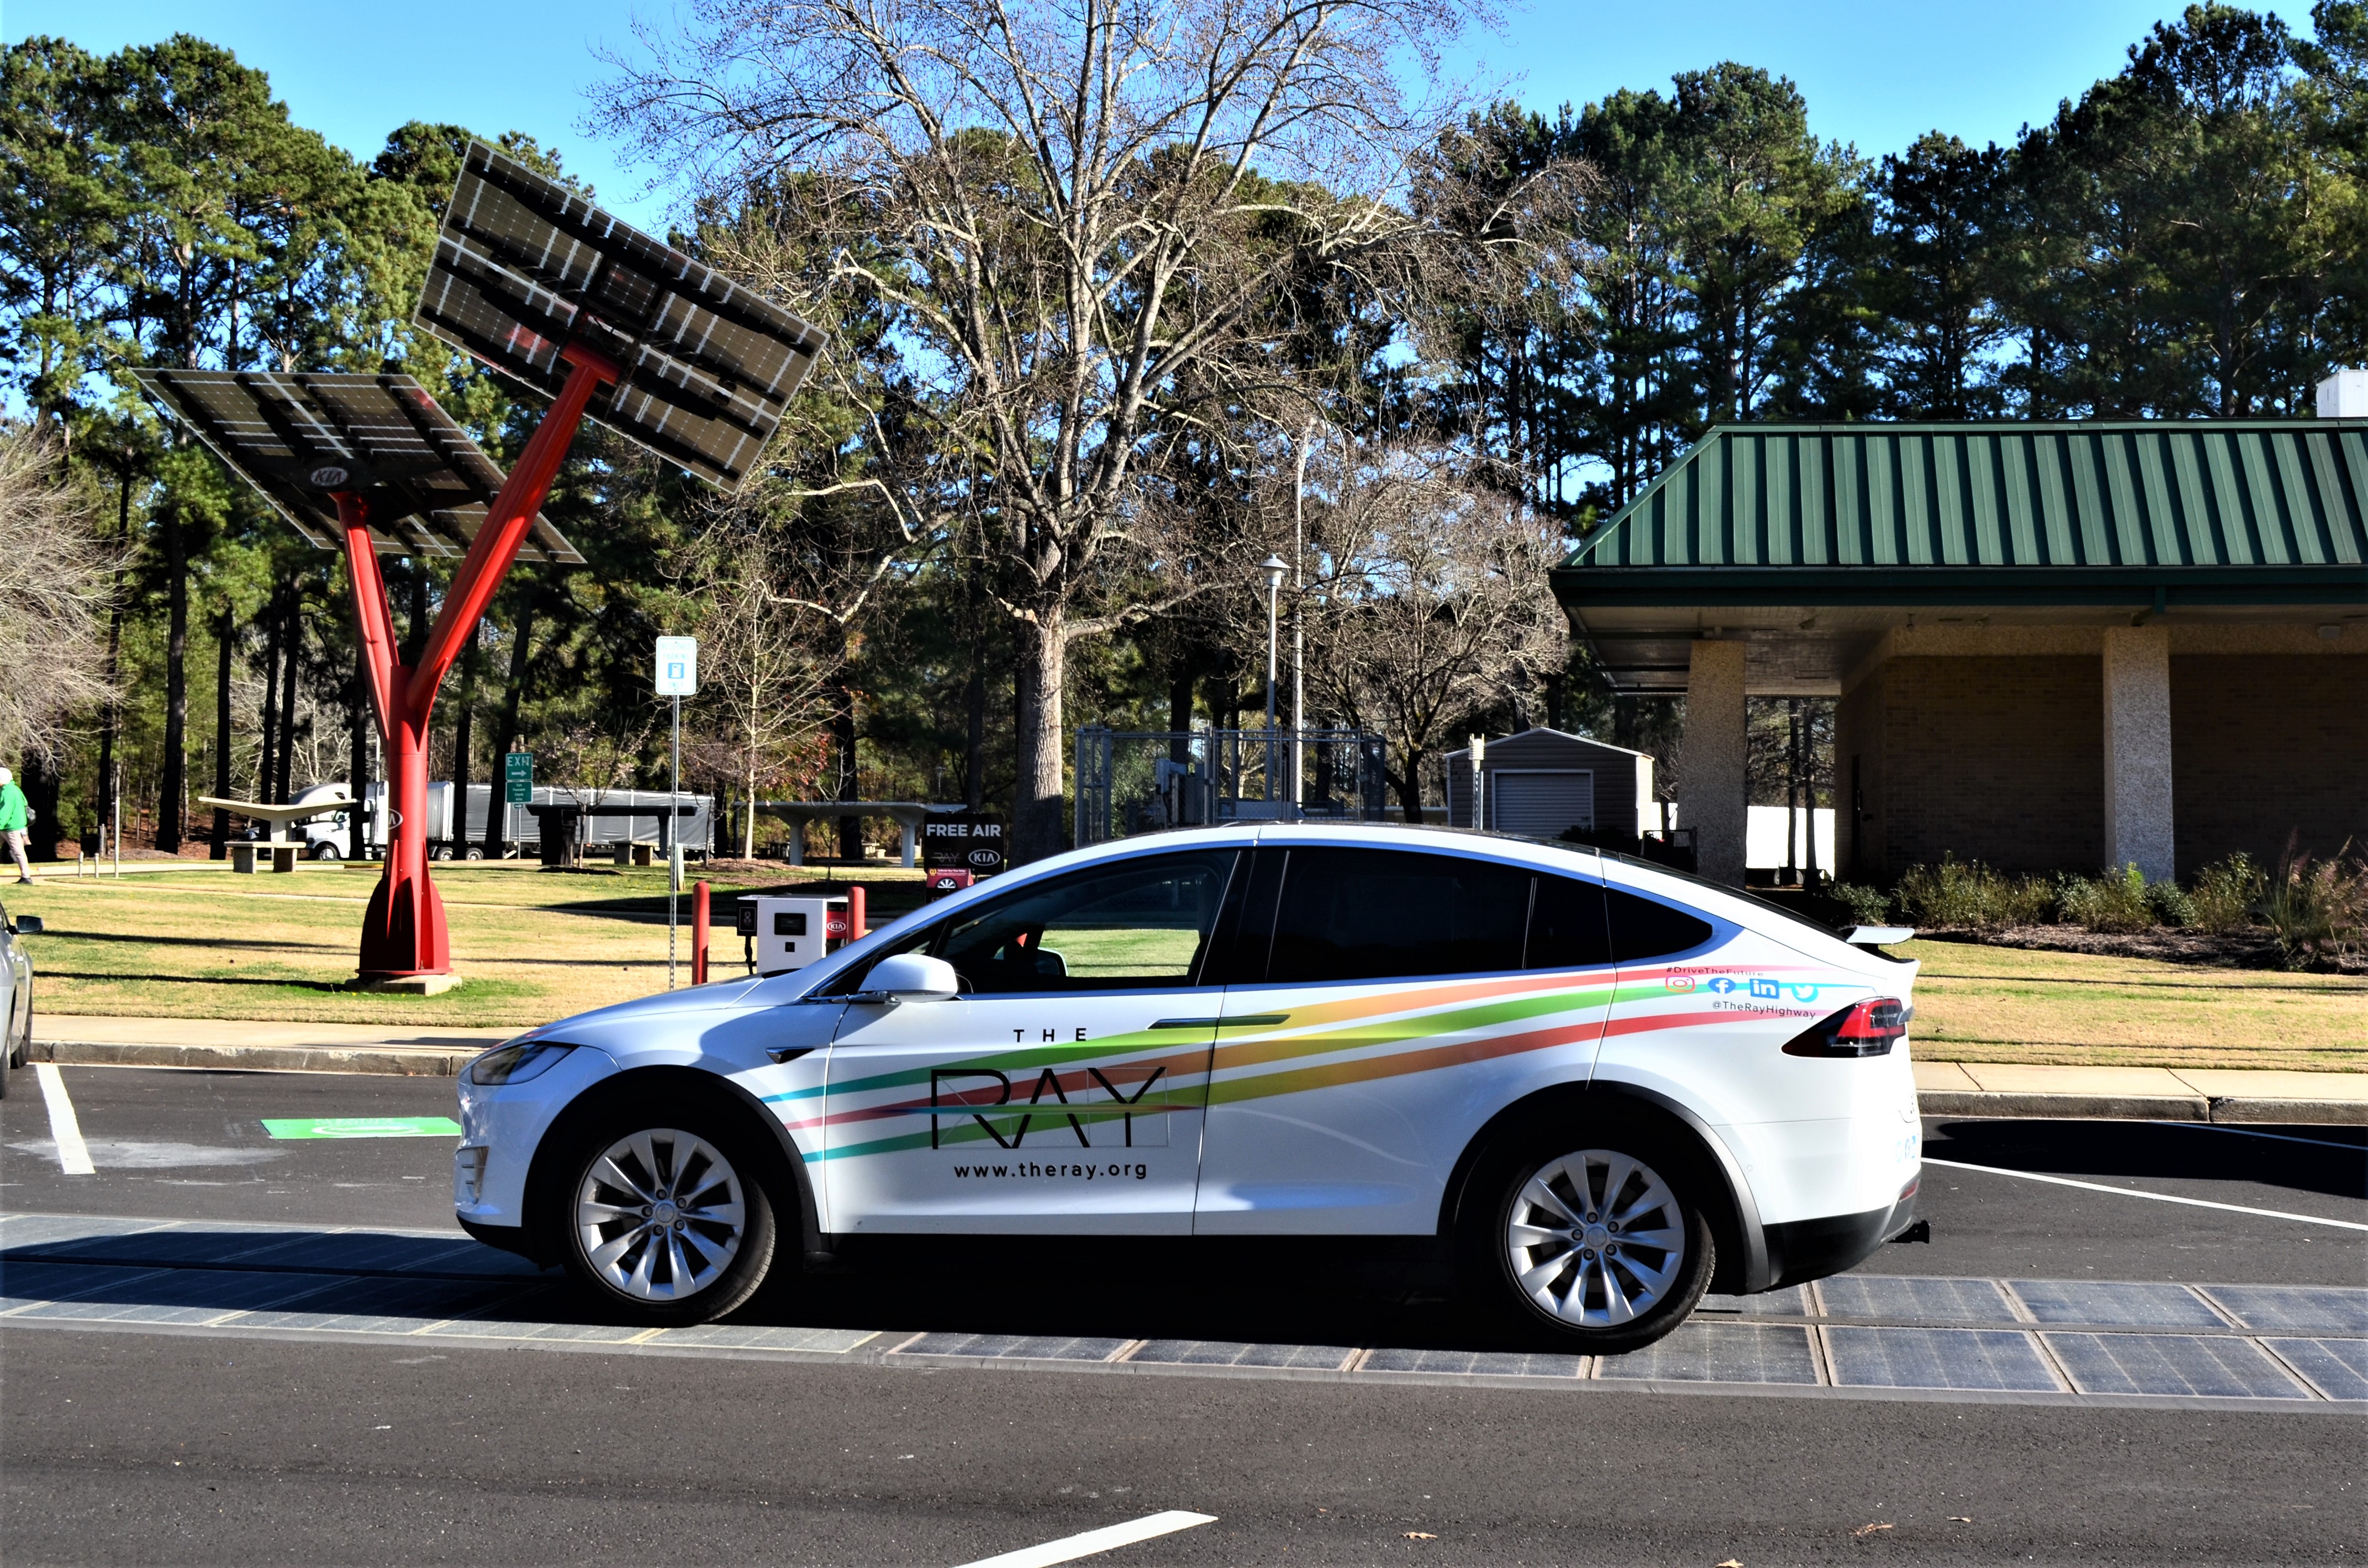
2250,946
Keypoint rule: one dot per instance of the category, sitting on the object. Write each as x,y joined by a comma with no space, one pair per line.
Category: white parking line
73,1154
1068,1548
2157,1197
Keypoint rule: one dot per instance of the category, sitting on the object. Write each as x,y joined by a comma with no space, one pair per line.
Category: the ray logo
1123,1120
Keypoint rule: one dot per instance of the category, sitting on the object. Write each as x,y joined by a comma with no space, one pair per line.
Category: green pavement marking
363,1127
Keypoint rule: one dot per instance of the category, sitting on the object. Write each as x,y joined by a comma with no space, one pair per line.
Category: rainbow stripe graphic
1425,1028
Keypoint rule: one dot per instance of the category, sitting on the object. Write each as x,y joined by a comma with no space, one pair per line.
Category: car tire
612,1217
1623,1215
324,850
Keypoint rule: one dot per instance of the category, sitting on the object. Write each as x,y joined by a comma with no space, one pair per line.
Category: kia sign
677,666
973,844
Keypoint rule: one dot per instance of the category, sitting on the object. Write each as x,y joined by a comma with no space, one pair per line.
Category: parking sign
677,671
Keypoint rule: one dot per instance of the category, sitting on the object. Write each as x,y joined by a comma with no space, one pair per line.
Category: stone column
2137,750
1713,786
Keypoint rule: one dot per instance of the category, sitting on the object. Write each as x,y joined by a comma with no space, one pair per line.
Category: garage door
1539,804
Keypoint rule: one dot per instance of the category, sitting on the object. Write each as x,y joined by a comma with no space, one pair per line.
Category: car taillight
1863,1028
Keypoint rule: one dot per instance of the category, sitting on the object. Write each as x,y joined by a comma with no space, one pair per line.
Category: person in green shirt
13,815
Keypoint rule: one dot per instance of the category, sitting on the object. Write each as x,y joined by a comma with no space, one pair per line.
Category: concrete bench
245,854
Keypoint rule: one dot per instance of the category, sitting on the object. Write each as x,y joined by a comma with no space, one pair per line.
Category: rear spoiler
1877,935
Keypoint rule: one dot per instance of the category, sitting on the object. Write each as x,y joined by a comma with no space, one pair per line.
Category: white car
1609,1086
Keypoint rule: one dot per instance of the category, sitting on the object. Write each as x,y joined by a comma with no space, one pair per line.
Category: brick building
2055,645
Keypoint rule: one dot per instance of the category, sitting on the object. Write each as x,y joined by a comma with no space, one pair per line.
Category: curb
402,1061
2217,1109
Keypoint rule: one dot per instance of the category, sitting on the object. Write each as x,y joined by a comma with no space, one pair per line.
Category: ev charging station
790,933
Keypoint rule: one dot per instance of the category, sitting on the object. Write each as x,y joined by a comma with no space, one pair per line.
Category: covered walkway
2055,645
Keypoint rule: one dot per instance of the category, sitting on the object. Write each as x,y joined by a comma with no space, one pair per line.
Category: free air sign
964,841
517,778
677,666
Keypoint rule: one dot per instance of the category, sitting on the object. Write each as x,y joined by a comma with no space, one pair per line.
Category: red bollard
857,928
699,934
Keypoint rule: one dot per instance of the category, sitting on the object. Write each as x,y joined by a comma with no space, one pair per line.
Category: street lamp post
1276,568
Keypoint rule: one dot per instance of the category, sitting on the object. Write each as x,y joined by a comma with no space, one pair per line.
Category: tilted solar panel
524,265
300,438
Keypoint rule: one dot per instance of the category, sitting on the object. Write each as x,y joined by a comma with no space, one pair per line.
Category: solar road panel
524,266
302,438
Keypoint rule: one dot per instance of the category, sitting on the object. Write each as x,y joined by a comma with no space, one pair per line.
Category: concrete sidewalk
266,1047
2151,1094
1946,1088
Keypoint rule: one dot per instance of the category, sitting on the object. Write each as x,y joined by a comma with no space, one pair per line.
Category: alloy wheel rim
660,1215
1595,1238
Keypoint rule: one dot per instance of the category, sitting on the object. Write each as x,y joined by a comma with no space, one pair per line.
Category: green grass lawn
536,945
533,945
1979,1004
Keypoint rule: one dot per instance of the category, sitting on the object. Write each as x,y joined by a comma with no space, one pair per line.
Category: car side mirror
27,926
910,977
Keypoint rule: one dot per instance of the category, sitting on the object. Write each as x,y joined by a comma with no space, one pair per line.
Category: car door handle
789,1053
1246,1019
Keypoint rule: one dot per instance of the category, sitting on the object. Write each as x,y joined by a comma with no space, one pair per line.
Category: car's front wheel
663,1219
1604,1247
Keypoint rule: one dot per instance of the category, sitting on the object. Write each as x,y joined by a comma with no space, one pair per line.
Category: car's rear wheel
663,1219
1603,1247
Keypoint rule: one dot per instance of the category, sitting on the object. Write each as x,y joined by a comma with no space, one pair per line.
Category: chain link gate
1135,781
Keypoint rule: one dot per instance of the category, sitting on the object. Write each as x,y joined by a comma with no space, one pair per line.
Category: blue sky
1875,74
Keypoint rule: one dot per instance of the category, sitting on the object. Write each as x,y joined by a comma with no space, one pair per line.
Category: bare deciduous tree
763,683
1076,212
56,584
1429,605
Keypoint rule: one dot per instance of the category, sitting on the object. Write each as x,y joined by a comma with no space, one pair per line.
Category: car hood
714,997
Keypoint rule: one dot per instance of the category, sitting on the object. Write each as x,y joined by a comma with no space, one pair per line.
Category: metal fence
1132,781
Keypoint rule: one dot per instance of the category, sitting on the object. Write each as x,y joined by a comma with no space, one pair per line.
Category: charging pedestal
794,932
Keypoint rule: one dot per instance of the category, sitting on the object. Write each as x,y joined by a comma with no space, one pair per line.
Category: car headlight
516,1062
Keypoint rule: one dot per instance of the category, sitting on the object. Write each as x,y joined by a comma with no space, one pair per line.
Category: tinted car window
1642,928
1375,913
1134,924
1566,926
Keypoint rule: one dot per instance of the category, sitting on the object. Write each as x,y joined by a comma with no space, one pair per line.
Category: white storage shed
1541,783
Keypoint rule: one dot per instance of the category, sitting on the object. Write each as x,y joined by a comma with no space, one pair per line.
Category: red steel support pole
856,927
404,932
699,934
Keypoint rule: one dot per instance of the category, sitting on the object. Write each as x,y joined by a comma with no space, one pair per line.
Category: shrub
1955,893
2170,904
2109,902
2226,891
2317,908
1868,907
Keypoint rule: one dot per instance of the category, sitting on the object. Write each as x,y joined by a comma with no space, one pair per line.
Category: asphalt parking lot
222,1345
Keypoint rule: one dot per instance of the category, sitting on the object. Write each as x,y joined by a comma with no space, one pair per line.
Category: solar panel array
524,266
301,438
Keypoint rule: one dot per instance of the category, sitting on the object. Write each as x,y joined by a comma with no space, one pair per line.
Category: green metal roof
2222,511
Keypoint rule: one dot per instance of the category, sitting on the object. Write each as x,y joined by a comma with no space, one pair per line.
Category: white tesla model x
1607,1085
